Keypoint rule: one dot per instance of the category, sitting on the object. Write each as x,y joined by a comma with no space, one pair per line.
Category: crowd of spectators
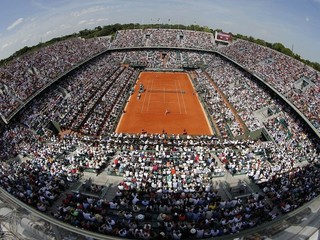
241,92
88,87
167,179
15,139
102,118
11,102
39,180
76,97
281,72
246,96
168,168
218,110
163,59
166,194
168,189
292,189
40,67
88,100
23,76
163,38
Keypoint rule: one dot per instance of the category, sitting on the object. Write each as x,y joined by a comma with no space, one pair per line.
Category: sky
295,23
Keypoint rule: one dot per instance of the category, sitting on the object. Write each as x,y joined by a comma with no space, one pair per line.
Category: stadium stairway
240,186
110,184
110,193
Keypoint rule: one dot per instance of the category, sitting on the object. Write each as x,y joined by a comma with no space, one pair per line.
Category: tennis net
165,91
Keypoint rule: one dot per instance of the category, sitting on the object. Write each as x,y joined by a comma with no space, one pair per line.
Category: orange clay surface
156,111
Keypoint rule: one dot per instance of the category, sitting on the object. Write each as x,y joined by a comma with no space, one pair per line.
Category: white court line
149,96
155,101
184,104
144,99
175,84
164,98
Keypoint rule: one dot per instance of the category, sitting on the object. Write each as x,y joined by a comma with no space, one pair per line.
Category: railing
8,198
266,229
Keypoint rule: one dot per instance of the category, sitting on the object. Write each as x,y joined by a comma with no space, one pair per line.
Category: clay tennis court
167,104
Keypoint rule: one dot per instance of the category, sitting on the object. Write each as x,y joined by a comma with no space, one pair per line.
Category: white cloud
54,20
40,5
16,23
92,21
5,45
82,22
87,11
25,40
8,44
102,19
